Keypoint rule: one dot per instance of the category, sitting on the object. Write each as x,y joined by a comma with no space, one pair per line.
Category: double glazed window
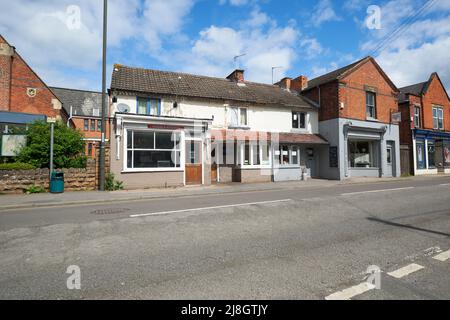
288,155
438,118
417,117
371,107
238,117
150,107
298,120
255,154
153,149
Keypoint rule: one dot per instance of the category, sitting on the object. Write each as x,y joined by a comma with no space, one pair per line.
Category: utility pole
104,99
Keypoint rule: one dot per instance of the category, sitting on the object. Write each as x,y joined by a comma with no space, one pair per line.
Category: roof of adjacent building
419,89
341,73
127,80
83,103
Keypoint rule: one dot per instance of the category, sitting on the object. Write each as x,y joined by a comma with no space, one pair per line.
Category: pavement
14,201
279,241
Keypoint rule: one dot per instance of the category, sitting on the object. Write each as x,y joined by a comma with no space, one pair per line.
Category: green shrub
34,189
16,166
111,184
68,146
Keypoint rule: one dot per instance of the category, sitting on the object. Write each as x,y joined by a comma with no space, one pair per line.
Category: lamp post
52,134
104,99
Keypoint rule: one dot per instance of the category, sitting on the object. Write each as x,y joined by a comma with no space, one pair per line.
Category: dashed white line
207,208
403,272
374,191
445,184
351,292
444,256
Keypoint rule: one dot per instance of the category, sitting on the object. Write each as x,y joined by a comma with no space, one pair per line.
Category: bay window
153,149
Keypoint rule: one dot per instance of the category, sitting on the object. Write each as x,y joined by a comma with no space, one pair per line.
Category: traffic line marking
444,256
402,272
374,191
351,292
207,208
445,184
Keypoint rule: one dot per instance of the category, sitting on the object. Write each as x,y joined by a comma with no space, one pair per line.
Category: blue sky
61,39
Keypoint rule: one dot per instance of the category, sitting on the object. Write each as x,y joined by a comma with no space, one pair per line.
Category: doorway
194,167
390,159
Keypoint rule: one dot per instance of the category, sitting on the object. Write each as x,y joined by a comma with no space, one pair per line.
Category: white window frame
374,106
251,151
439,115
238,117
417,117
180,149
290,150
298,113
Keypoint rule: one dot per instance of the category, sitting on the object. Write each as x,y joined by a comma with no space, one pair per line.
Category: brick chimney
237,76
299,83
285,83
6,56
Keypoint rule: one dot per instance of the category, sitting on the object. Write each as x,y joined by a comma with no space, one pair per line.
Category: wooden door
194,168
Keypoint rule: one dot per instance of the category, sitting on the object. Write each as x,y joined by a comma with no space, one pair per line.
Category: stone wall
15,181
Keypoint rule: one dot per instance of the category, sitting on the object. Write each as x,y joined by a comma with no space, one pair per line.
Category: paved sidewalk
69,198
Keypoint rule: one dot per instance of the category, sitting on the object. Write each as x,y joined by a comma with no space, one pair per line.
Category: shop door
194,168
390,160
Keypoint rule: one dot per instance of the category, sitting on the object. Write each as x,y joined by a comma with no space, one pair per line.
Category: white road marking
402,272
444,256
348,293
374,191
445,184
208,208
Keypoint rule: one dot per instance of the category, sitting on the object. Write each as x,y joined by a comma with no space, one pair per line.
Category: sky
62,39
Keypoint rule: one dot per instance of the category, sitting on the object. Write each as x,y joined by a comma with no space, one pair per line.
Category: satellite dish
123,108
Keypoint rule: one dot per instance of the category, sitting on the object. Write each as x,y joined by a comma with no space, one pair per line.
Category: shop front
151,151
431,152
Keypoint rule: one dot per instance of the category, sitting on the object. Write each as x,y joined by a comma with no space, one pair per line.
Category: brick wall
15,181
15,85
5,74
328,98
435,95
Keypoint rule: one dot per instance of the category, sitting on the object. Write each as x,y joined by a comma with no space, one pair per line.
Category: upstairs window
149,107
86,125
298,120
417,117
438,118
371,111
238,117
92,125
99,125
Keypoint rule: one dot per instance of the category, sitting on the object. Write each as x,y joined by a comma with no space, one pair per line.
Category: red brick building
24,98
84,110
357,104
425,127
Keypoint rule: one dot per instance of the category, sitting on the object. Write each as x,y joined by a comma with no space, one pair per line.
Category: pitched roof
344,71
83,103
146,81
415,89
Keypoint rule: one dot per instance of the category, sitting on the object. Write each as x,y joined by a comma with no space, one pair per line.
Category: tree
68,148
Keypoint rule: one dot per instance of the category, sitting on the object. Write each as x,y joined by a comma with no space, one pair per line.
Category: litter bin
57,182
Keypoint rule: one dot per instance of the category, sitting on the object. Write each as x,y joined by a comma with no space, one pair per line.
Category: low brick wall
15,181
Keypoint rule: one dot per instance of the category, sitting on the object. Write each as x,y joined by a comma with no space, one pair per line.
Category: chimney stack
285,83
6,56
237,76
300,83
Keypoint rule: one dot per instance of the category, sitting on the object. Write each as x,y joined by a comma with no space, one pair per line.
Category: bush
34,189
16,166
68,148
111,184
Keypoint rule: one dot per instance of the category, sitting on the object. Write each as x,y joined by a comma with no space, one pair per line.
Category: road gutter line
375,191
444,256
348,293
207,208
403,272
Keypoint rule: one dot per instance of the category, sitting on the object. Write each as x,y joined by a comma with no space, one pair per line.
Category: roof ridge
78,90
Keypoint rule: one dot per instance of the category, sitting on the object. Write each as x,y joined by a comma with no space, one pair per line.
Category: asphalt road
283,243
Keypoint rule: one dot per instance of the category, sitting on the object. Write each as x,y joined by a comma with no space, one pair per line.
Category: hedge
16,166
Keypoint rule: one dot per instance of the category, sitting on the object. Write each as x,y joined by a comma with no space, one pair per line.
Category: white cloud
323,12
312,47
355,5
236,3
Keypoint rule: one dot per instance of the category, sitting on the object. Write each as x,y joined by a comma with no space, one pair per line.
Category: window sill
295,130
239,127
143,170
372,119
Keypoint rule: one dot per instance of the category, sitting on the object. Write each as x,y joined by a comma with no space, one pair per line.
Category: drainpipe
70,116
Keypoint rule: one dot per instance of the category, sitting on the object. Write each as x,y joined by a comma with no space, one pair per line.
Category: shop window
362,154
152,149
371,105
431,154
254,154
298,120
288,155
420,154
446,152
